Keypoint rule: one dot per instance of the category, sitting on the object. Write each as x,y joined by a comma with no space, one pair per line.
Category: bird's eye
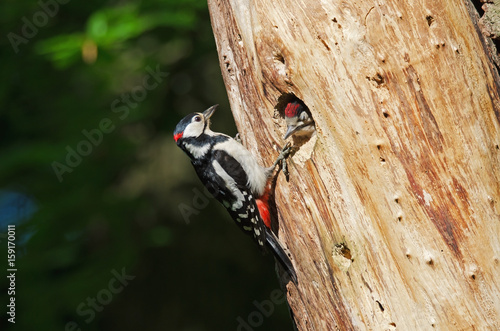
197,118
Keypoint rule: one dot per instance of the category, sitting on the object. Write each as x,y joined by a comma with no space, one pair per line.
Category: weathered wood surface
392,212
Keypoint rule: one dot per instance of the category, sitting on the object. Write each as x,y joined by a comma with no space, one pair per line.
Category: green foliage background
119,207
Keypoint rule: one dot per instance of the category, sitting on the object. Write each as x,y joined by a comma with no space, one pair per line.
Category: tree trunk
392,213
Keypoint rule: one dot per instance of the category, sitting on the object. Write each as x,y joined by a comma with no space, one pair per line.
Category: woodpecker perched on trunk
298,120
233,176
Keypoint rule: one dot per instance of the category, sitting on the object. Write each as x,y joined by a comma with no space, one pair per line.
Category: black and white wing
234,194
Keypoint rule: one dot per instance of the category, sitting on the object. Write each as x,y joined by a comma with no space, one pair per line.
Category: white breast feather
198,151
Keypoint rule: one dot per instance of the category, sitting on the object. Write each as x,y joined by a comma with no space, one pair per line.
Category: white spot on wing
257,177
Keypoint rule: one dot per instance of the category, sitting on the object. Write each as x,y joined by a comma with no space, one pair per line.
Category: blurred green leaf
108,28
62,50
97,25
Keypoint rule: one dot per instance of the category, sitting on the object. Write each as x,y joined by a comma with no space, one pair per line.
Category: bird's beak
209,112
290,130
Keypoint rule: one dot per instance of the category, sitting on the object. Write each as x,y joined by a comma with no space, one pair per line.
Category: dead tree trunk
392,212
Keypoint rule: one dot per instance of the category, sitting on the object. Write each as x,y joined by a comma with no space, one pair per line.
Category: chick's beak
290,130
209,112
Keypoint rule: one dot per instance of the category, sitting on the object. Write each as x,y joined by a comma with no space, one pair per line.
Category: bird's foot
284,154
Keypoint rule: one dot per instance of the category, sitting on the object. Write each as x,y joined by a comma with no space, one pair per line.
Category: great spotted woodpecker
298,120
234,177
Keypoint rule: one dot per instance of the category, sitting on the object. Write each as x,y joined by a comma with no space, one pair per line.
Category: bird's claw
284,154
284,167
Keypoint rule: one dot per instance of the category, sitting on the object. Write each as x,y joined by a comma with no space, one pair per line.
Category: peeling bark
392,213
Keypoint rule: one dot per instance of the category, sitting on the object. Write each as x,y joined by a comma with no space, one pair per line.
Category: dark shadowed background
113,231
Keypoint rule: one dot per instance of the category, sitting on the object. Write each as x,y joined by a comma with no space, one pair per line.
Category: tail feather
280,255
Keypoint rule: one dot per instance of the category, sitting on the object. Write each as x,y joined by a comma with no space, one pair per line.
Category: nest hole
300,125
287,98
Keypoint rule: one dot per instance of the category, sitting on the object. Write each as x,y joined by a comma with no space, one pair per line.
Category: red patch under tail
263,205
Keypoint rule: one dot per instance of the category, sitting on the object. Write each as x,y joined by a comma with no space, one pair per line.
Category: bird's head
193,125
296,119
